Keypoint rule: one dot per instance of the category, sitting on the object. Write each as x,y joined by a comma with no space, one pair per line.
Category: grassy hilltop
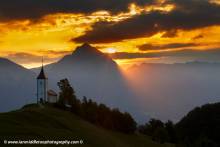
33,122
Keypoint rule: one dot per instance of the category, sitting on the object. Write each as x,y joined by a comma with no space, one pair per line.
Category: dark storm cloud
201,54
33,9
146,47
188,15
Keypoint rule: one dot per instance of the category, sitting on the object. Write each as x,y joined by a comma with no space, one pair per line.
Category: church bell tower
42,86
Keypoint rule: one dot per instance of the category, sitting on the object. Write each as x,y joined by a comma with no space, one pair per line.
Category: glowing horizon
25,41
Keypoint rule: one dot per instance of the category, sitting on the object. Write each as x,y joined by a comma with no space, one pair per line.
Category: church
43,94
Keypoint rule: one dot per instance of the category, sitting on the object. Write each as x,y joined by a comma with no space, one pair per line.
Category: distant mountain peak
86,45
86,48
87,55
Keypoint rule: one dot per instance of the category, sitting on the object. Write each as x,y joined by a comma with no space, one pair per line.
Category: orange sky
25,41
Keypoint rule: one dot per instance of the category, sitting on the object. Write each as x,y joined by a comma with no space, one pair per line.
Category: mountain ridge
17,85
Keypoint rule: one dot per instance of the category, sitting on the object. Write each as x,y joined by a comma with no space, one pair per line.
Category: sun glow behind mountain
54,35
110,50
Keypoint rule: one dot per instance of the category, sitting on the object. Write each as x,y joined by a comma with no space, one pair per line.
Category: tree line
159,132
98,114
199,128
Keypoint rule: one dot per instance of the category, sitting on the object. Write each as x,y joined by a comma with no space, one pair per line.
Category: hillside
33,122
201,125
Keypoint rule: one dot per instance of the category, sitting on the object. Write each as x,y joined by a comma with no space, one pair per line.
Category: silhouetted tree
103,116
201,126
97,114
151,126
129,125
160,135
173,137
67,96
158,131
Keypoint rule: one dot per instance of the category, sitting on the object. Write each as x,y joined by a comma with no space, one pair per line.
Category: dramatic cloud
188,15
147,47
32,9
52,28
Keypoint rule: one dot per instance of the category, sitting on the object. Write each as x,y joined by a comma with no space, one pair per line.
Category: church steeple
42,86
42,75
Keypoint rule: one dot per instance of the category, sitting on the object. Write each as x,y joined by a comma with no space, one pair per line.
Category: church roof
42,75
51,92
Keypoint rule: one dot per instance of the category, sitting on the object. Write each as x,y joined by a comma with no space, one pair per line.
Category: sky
132,31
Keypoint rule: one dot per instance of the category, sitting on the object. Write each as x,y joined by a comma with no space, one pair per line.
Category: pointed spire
42,61
42,75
